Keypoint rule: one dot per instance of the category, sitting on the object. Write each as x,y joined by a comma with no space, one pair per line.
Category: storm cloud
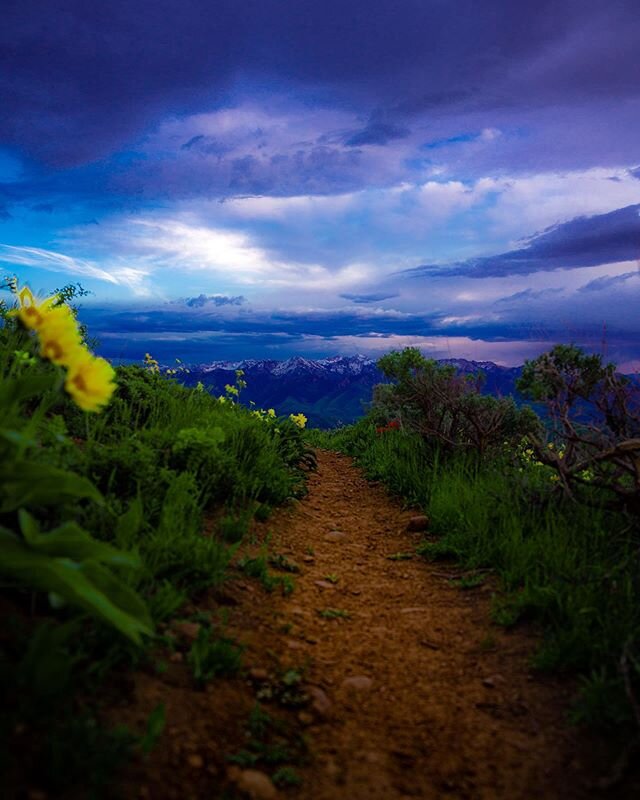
81,78
581,242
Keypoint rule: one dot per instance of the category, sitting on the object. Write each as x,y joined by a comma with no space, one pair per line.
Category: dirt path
411,694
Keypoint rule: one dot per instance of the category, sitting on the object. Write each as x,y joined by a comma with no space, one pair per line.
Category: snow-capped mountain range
329,391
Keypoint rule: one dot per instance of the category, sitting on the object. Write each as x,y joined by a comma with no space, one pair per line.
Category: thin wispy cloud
59,262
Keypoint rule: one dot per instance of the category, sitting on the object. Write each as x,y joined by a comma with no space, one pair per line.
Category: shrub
593,431
445,408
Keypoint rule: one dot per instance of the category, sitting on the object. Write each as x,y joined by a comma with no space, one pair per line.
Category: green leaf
18,438
69,540
118,592
25,483
46,666
155,727
87,585
129,524
18,389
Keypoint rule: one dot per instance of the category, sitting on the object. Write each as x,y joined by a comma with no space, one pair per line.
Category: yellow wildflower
90,381
150,363
298,419
31,313
59,336
271,412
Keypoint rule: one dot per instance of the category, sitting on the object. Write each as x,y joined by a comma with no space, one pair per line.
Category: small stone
195,761
257,785
305,718
335,536
308,559
320,701
332,769
324,584
418,523
491,681
176,658
186,630
294,645
258,674
357,682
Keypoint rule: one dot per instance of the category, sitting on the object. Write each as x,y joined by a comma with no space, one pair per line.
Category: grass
272,745
401,556
258,567
134,487
213,656
569,567
334,613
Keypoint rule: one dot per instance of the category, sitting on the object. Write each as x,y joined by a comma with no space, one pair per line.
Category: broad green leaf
15,390
18,438
87,585
117,591
69,540
25,483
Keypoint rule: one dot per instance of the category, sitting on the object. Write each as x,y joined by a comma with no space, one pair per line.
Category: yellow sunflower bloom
59,336
90,381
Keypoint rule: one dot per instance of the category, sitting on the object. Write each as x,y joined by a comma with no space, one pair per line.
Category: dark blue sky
262,178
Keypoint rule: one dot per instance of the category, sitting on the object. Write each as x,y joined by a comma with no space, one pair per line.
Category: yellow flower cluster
266,416
150,364
90,380
260,413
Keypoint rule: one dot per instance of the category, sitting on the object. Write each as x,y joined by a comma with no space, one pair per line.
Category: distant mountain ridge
329,391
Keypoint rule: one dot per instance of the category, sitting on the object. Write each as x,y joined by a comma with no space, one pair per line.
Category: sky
260,178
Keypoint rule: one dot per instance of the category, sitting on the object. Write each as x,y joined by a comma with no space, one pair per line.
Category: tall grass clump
106,479
563,542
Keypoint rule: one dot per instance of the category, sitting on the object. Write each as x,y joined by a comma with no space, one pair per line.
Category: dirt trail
413,695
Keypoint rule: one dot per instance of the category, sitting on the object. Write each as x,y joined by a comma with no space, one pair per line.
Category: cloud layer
327,175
